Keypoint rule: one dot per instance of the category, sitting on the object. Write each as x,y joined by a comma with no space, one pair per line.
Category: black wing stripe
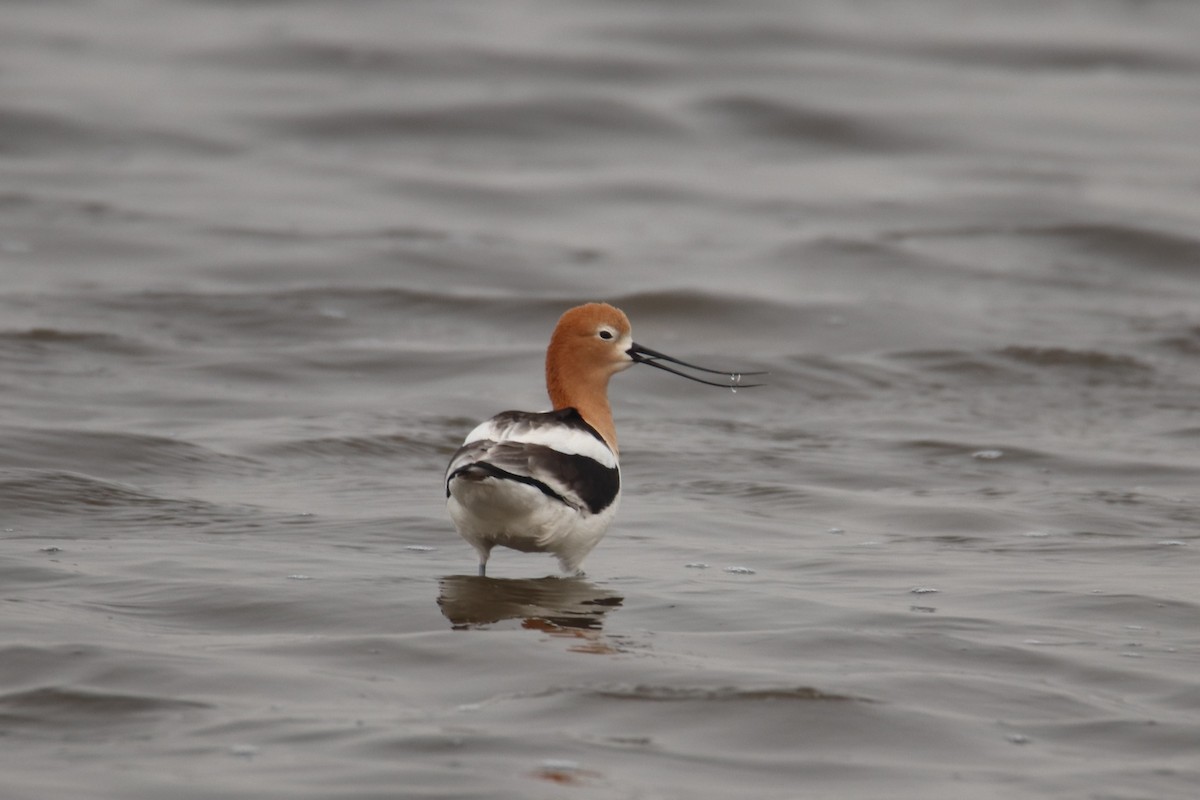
496,472
577,481
594,484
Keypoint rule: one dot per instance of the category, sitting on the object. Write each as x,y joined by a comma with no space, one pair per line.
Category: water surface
265,264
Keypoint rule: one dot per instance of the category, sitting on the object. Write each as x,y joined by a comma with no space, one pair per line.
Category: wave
87,501
42,341
1127,247
115,453
786,122
1023,363
25,133
70,708
1057,49
565,117
441,62
1116,365
663,693
1104,247
356,447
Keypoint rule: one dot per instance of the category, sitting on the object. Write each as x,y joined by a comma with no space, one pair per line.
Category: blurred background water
264,264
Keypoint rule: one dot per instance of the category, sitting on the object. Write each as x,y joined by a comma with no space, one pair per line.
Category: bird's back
534,481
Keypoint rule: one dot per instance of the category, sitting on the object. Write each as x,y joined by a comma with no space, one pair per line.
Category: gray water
264,264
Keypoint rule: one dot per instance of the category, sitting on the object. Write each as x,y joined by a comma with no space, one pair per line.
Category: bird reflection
563,607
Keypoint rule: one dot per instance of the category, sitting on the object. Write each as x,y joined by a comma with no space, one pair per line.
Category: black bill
644,355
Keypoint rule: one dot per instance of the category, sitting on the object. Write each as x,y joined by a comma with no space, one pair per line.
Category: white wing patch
548,432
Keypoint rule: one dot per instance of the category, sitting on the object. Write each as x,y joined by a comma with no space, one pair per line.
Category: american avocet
549,482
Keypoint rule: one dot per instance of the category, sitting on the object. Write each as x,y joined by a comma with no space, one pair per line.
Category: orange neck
586,392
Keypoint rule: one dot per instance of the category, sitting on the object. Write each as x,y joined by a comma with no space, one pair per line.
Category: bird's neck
587,394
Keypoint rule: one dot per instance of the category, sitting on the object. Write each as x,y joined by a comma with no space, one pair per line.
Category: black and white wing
556,452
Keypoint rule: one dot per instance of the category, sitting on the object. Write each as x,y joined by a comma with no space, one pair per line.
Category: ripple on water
913,218
514,120
118,454
411,60
1111,365
70,710
48,342
79,505
800,126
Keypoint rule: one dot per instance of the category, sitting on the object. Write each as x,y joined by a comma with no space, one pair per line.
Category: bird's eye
606,335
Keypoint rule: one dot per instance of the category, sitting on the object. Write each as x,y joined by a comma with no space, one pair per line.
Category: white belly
493,511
